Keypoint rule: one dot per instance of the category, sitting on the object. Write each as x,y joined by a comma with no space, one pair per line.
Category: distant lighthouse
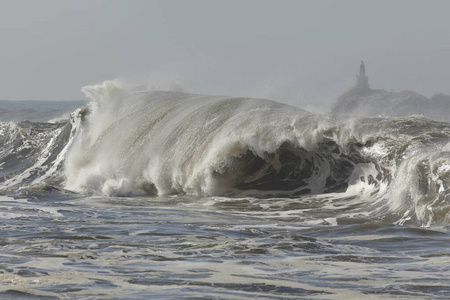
362,81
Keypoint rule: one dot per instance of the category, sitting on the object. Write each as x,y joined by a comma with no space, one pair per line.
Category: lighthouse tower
362,81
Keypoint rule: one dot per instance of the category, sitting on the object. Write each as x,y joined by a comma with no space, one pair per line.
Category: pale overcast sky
298,52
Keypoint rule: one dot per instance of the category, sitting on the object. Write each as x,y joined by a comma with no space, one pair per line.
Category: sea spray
145,143
233,197
137,143
170,142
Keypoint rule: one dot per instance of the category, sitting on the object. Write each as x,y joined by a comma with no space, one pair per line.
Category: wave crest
140,143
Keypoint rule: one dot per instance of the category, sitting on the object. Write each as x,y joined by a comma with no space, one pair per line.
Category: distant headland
361,100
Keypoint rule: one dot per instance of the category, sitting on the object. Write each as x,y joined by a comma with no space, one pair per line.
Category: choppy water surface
60,245
168,195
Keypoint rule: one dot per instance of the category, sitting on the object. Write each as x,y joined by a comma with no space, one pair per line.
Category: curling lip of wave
166,142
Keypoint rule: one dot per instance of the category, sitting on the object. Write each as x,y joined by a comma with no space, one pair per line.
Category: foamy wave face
31,153
139,143
421,188
170,142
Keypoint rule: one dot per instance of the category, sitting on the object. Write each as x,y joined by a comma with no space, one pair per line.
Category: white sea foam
135,142
175,141
138,142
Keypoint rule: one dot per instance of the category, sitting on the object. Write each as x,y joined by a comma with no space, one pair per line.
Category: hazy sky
299,52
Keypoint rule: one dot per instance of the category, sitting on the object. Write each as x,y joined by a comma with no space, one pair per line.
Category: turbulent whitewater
135,143
258,182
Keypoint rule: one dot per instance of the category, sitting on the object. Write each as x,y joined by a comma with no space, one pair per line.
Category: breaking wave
136,142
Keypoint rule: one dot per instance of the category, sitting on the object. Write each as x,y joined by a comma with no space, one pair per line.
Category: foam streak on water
170,247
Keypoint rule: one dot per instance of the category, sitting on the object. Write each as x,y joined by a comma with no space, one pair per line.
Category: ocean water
167,195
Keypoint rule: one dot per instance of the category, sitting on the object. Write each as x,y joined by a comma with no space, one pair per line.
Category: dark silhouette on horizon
361,100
